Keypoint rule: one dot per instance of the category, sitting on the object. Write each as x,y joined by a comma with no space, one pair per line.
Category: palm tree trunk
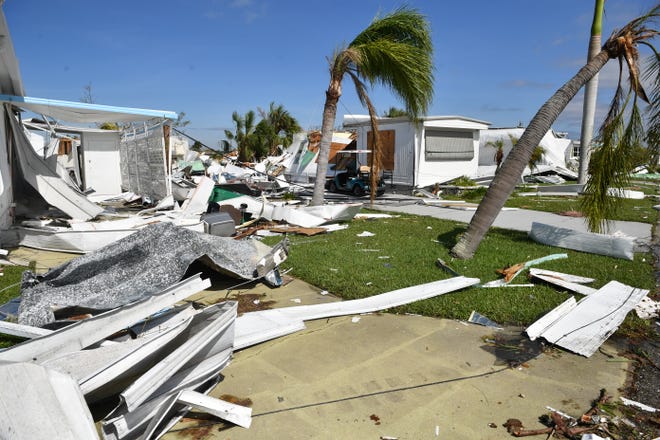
329,115
507,176
590,96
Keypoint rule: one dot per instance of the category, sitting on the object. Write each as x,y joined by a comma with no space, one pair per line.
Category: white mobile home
435,150
556,149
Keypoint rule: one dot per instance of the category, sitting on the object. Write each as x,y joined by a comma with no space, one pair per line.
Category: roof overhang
81,112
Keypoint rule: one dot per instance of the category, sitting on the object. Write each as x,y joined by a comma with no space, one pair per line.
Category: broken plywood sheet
513,271
40,403
601,244
583,326
139,265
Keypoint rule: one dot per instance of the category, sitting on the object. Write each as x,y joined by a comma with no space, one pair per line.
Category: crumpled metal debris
139,265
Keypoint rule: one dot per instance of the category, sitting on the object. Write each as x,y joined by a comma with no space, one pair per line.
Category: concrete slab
382,375
519,220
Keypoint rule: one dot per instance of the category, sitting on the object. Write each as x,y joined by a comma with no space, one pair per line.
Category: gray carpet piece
141,264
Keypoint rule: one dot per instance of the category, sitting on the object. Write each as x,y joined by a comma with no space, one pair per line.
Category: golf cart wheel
333,187
358,191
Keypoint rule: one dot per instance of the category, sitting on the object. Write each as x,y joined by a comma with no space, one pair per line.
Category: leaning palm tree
395,51
623,46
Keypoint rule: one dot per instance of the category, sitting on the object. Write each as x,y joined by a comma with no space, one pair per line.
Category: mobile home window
449,145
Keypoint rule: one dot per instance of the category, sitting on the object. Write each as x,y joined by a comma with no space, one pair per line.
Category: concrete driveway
384,376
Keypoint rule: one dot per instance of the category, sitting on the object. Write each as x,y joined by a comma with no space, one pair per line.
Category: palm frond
652,74
405,70
611,164
396,51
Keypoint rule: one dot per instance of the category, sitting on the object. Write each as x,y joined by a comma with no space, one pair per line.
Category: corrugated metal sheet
85,333
583,326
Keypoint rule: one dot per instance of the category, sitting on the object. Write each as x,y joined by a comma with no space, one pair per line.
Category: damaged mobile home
439,149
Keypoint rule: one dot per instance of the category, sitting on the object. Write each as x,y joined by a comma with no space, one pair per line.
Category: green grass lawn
10,288
403,252
629,210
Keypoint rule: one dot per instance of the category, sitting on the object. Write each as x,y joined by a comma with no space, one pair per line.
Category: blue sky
496,61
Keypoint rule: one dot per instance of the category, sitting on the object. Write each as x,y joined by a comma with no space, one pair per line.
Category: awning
82,112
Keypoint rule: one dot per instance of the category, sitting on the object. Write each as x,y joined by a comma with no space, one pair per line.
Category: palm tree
535,158
243,137
395,51
394,112
278,126
623,46
499,150
590,95
653,134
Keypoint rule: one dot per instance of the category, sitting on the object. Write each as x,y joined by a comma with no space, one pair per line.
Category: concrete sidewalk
516,219
384,376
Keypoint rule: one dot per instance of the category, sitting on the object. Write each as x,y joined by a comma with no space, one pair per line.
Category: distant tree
180,123
197,146
396,51
616,134
108,126
394,112
498,145
243,136
535,158
88,98
276,128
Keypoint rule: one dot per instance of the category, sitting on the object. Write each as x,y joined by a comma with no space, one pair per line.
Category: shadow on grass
450,238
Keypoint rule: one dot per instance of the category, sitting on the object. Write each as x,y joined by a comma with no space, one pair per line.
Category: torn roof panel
584,327
82,112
